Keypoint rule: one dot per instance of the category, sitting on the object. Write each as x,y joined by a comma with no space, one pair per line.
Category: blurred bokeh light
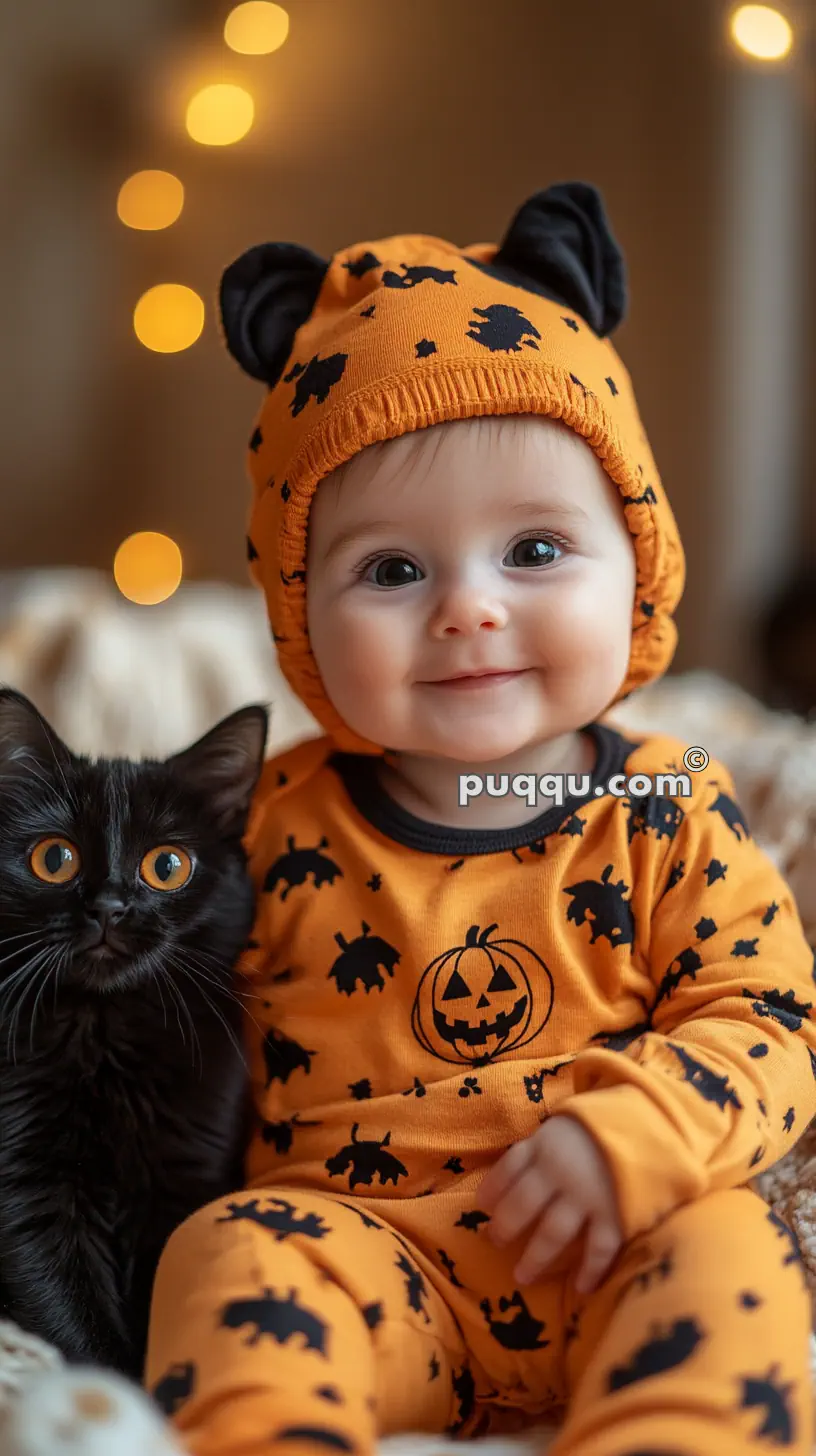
147,568
256,28
762,32
150,200
168,318
220,115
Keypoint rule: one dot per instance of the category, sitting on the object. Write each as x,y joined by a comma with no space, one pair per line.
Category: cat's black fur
124,1088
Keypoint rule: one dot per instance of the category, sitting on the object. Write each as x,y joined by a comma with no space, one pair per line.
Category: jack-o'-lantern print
481,999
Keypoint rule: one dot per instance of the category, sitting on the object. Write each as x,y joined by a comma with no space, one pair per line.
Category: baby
516,1055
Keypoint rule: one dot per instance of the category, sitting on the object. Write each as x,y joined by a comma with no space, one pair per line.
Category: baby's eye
532,551
394,571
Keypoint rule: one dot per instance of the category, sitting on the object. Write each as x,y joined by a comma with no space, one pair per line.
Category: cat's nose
106,909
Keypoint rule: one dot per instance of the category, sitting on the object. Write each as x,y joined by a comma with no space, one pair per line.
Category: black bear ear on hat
264,297
560,244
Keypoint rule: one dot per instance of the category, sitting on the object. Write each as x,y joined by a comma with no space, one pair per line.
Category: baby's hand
560,1173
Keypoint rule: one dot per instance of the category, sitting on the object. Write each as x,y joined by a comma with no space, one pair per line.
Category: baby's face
479,546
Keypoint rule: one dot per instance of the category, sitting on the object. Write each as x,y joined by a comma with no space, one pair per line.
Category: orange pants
287,1321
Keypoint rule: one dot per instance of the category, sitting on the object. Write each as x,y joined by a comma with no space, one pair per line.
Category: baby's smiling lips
488,677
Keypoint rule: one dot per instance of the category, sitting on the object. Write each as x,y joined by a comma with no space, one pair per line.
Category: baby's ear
560,244
265,296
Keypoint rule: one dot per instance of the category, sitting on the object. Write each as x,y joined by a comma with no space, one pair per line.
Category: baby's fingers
560,1224
521,1205
603,1242
504,1173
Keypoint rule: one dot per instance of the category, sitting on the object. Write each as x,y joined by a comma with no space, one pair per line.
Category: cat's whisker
53,966
181,1002
165,975
161,998
242,997
207,958
18,950
202,954
234,991
8,984
204,962
7,939
8,988
217,982
31,968
38,982
18,975
29,939
246,1010
232,994
192,959
186,971
64,959
29,983
237,997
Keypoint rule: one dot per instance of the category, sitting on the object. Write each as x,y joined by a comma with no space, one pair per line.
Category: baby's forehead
462,479
533,448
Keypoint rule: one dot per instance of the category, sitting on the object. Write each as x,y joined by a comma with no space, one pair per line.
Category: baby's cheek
590,618
373,648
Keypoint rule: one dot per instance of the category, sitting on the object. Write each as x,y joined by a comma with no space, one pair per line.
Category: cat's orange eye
166,868
55,861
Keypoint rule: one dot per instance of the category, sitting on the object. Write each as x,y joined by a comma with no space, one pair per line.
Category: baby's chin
471,745
475,749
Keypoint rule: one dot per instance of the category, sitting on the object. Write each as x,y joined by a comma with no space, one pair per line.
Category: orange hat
404,332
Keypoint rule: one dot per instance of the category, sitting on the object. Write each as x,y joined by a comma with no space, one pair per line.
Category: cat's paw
83,1411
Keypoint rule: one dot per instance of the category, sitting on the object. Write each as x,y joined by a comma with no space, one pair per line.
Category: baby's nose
465,610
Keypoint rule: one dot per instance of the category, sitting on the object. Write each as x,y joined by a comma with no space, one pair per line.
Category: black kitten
124,1090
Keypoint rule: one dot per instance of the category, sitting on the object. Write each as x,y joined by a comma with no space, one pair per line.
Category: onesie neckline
358,773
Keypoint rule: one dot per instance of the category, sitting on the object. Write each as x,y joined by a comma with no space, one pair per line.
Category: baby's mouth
483,680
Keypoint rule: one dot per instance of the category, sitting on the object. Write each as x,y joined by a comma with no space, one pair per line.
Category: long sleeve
725,1081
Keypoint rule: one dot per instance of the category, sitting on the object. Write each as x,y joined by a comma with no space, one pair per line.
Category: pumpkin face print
482,999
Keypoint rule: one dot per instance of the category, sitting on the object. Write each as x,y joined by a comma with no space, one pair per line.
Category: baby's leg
295,1322
698,1343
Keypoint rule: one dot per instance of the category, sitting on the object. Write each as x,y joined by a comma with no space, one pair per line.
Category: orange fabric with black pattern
422,999
410,331
424,991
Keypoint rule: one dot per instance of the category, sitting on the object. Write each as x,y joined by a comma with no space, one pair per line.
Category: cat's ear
224,766
28,743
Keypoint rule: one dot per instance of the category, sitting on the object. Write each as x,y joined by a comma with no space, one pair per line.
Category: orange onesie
423,996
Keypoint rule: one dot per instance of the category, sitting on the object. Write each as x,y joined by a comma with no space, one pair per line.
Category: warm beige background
375,116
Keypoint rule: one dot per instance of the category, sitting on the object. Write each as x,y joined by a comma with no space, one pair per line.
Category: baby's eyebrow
359,533
367,529
565,509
